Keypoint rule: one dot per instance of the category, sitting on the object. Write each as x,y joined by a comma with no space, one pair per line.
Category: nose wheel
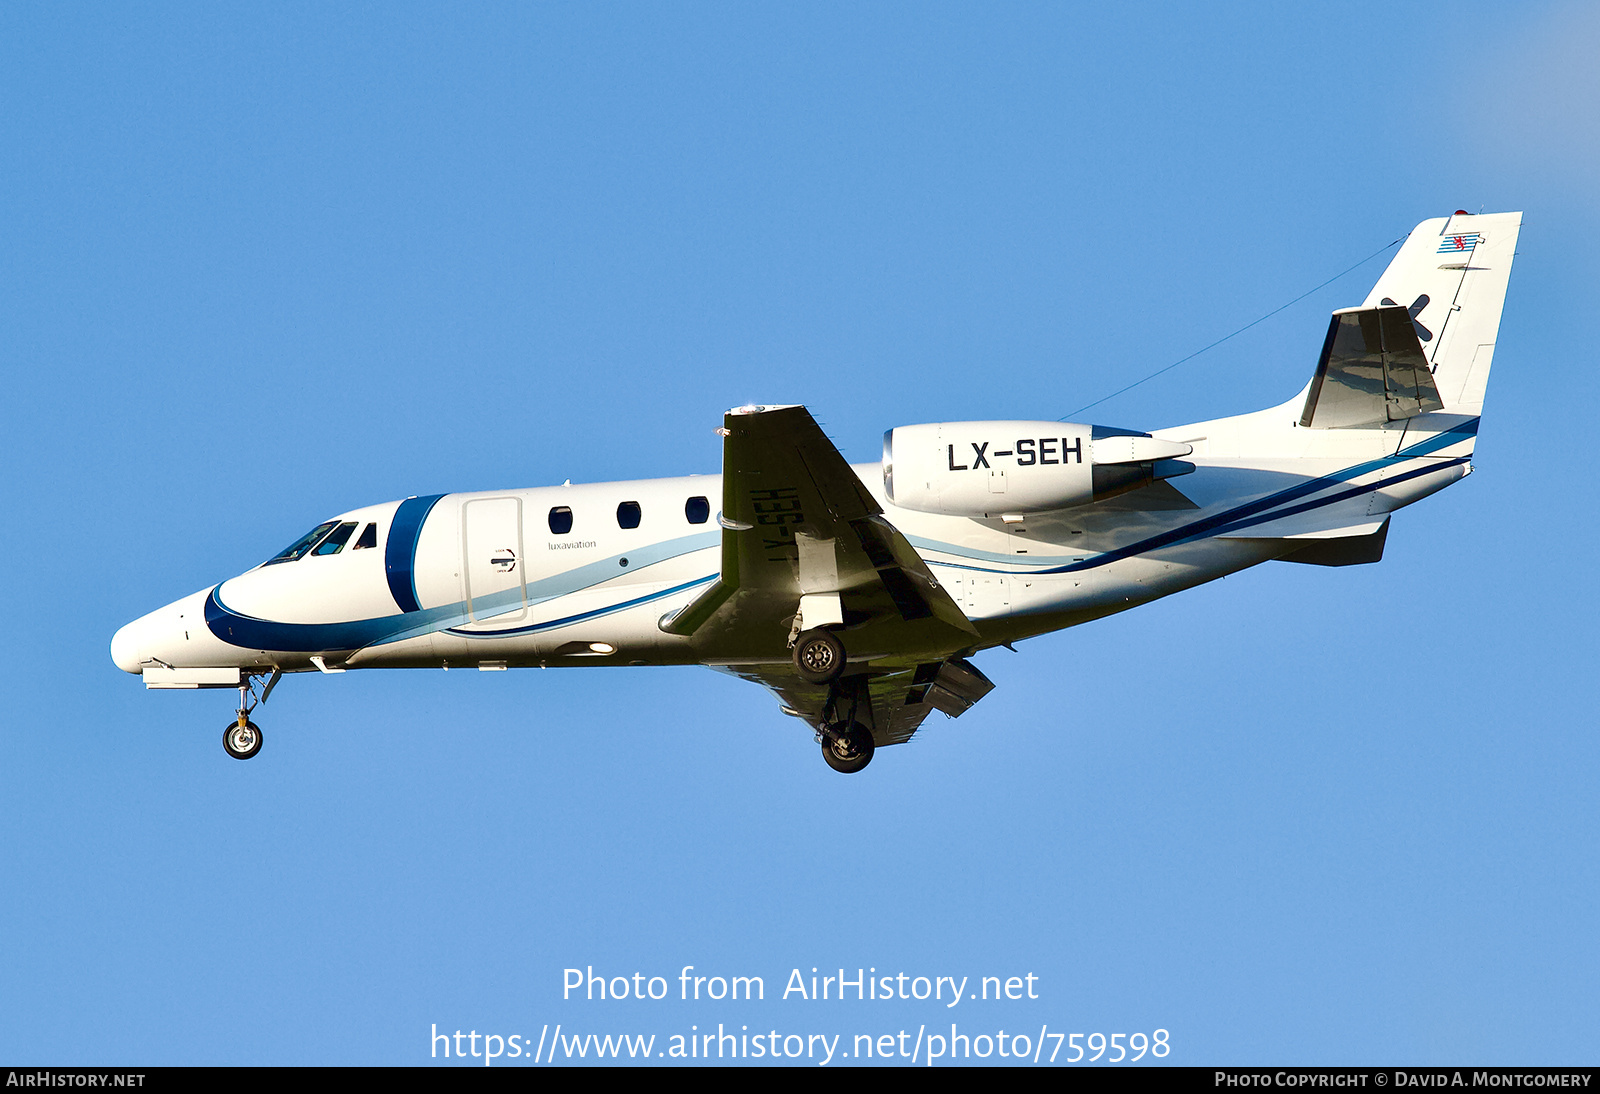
241,739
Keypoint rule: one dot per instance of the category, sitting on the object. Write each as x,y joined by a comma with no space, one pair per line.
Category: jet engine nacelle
996,469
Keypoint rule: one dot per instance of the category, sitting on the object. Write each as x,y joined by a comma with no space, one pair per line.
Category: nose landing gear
242,738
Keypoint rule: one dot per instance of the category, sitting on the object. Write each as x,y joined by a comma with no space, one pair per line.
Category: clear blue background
260,266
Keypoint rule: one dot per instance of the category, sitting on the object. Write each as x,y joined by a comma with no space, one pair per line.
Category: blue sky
264,266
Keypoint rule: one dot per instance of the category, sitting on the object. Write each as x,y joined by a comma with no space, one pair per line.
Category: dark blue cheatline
400,553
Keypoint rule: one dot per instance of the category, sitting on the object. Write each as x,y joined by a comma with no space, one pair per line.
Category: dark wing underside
799,527
891,704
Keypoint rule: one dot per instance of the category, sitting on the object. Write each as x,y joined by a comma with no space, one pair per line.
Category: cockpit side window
369,538
336,541
299,547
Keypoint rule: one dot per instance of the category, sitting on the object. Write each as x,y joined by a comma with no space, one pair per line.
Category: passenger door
493,566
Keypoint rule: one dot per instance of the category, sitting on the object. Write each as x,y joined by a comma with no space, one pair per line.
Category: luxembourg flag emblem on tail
1459,244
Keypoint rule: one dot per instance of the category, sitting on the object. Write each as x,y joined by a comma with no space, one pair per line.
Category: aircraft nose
127,647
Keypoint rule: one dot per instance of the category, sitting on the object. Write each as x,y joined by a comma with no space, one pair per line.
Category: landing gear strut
847,745
242,738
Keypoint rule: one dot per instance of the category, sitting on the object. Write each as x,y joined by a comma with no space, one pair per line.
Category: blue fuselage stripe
1245,516
400,552
581,617
400,560
1256,512
265,634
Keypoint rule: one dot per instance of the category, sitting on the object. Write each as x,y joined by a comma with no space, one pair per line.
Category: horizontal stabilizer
1372,371
1352,532
1350,550
1323,543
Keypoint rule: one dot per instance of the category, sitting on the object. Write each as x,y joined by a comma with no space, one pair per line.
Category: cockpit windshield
335,543
299,547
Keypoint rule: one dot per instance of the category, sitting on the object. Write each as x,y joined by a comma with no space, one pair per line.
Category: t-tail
1391,414
1418,349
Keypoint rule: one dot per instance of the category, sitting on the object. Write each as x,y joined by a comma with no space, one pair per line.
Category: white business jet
858,595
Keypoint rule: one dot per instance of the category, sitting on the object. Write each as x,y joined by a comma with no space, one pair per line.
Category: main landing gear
819,656
847,745
847,748
242,738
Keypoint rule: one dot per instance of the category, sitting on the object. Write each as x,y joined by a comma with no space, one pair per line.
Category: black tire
241,741
819,656
852,752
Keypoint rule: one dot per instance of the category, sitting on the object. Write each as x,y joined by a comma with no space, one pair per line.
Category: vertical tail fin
1451,275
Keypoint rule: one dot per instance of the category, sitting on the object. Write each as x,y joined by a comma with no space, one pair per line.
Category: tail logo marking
1450,245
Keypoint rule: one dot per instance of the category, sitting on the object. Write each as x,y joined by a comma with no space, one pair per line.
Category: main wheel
241,741
819,656
851,752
